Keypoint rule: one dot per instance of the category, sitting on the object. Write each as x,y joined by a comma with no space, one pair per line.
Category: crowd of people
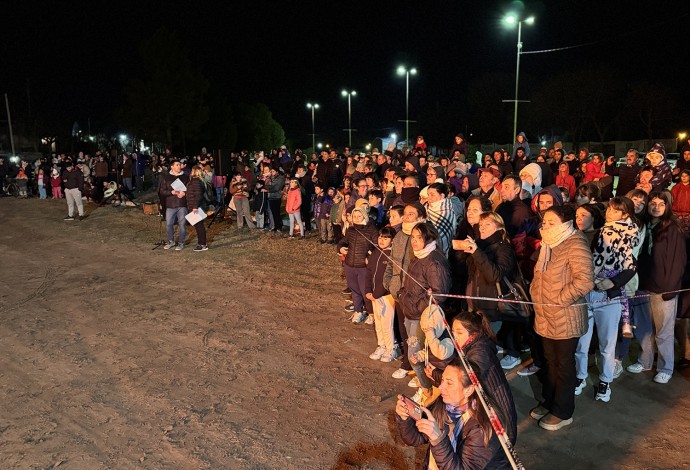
600,249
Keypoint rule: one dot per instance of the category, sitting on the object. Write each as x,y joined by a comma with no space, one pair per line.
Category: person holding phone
457,428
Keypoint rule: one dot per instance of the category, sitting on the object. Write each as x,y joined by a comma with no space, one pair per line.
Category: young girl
56,184
292,207
382,301
41,183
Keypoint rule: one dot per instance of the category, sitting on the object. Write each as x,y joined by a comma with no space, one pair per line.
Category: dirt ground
118,356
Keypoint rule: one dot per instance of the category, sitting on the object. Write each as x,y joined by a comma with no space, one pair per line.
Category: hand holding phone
414,410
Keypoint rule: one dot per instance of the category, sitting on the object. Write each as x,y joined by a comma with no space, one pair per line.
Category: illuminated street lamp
405,71
349,94
510,21
313,108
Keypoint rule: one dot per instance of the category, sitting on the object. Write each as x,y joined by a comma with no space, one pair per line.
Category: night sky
78,56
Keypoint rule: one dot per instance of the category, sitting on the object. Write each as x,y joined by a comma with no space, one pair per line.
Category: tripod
162,241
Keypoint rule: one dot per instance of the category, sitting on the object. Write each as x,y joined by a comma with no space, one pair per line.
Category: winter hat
461,135
55,172
494,171
364,212
658,148
362,203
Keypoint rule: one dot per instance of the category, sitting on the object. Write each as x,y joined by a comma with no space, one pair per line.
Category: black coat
514,214
359,240
195,192
432,272
626,177
662,271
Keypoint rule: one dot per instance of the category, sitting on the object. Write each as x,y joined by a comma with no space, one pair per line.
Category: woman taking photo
565,256
195,193
428,272
661,266
456,428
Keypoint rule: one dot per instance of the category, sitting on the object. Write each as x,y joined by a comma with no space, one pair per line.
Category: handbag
510,310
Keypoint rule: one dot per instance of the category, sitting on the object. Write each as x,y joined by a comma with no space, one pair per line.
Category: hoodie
566,180
438,343
523,145
534,171
551,190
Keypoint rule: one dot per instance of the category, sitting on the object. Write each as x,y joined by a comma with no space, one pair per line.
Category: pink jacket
294,201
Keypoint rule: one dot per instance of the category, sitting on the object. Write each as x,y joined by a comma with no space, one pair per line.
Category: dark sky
78,56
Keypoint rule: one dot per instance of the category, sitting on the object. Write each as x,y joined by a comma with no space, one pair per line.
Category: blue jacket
524,145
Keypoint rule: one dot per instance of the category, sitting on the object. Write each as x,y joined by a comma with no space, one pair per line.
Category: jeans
558,388
415,343
640,323
662,318
219,195
607,316
296,217
276,219
243,212
127,182
73,197
171,215
384,314
42,191
356,281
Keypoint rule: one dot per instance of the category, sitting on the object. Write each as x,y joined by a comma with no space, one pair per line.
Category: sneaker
617,368
508,362
388,356
346,291
636,368
201,248
603,392
399,374
553,423
538,412
359,317
413,383
369,320
81,217
291,237
350,308
499,349
169,245
580,386
179,248
397,352
69,217
627,331
529,370
662,378
419,397
378,354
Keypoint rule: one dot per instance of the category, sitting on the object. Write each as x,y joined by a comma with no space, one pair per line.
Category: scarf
424,252
551,238
408,226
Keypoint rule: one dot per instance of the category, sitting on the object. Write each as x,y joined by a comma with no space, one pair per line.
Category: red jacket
294,201
567,182
593,171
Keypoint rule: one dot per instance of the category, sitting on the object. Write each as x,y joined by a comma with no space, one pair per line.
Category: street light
313,108
349,94
510,20
404,71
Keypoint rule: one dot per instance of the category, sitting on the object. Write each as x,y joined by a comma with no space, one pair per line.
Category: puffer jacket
195,193
275,187
358,239
568,278
432,272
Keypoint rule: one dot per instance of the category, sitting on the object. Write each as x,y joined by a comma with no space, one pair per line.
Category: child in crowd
292,207
334,217
375,201
322,212
56,184
645,180
382,301
41,183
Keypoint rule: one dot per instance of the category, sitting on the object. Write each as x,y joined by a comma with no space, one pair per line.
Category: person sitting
457,428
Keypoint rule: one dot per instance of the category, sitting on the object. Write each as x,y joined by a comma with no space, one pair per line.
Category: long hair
476,323
667,218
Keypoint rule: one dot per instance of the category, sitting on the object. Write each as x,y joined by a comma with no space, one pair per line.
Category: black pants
401,336
274,205
200,232
559,378
305,213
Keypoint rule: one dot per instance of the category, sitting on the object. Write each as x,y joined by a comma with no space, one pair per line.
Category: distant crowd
600,249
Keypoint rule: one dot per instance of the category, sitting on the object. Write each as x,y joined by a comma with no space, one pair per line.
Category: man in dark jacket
73,180
175,203
513,211
138,170
627,174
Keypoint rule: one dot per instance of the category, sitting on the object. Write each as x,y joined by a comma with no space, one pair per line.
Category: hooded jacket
524,145
534,171
567,181
662,259
553,191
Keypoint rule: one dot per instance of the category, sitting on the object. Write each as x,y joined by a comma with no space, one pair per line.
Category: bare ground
118,356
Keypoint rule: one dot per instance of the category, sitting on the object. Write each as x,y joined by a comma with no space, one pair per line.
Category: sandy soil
118,356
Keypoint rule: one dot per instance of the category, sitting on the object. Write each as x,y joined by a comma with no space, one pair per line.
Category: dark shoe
346,291
683,364
69,217
603,392
81,217
538,412
554,423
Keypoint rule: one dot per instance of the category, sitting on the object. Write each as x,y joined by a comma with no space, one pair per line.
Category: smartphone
413,409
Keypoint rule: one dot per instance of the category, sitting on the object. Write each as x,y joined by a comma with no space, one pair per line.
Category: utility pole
9,122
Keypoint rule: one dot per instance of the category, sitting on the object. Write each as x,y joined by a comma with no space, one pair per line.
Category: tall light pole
510,20
405,71
313,108
349,94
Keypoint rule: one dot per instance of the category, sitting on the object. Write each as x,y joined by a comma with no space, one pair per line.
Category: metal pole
517,77
9,122
349,120
407,108
313,135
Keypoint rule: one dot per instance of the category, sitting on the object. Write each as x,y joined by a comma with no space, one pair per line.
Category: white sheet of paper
178,185
193,217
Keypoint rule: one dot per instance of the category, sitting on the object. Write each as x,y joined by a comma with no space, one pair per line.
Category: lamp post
405,71
313,108
510,20
349,95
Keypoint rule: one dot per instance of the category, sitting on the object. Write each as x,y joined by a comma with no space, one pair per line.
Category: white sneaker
376,355
397,352
636,368
169,245
399,374
369,320
387,356
414,382
418,397
508,362
617,369
359,317
603,392
662,378
581,384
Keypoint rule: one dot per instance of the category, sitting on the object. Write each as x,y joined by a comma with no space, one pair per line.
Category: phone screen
413,409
